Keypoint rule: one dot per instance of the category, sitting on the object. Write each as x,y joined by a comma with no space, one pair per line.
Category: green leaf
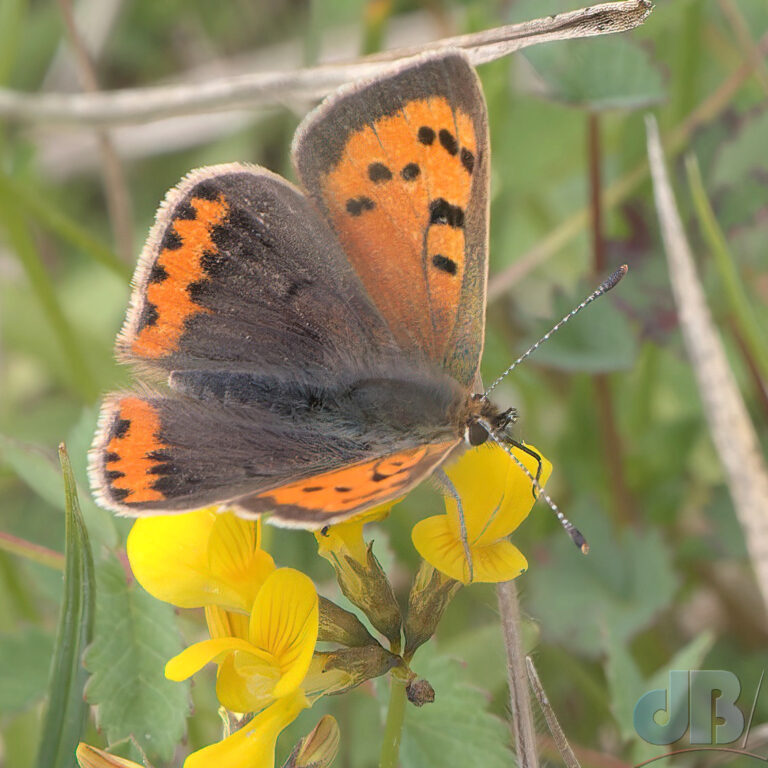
622,584
744,155
600,73
626,684
481,650
24,659
738,173
599,340
135,636
35,467
65,716
456,729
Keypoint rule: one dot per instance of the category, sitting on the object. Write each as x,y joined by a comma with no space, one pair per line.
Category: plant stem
613,449
393,729
517,677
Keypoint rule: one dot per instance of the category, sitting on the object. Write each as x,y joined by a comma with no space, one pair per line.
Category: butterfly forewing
399,165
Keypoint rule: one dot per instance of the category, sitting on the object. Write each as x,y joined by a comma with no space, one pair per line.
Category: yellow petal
194,658
496,494
285,622
234,558
223,623
91,757
436,541
246,688
253,746
198,558
500,561
347,537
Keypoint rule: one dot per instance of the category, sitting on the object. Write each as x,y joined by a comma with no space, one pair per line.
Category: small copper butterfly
313,353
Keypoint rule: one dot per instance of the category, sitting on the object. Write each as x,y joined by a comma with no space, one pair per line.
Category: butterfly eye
476,434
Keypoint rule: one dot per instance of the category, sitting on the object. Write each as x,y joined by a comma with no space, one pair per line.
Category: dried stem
561,742
113,177
730,427
273,88
517,678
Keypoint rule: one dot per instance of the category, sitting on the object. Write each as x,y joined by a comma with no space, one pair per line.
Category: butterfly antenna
576,536
603,288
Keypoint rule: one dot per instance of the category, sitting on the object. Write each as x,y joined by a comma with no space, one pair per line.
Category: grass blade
65,716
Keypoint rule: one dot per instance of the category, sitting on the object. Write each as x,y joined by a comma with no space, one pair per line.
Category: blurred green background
611,401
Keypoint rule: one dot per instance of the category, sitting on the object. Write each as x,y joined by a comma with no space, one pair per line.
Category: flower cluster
264,622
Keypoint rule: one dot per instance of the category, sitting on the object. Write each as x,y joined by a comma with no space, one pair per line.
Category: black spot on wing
378,173
448,142
410,172
312,488
199,291
120,428
444,263
185,211
442,212
171,241
342,489
467,160
377,477
111,456
113,474
356,205
119,494
216,265
158,273
149,315
426,135
207,190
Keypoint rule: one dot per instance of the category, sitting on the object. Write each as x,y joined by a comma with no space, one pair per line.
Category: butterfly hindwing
399,166
158,453
330,497
238,269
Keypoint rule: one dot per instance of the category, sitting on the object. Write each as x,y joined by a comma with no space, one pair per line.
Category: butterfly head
484,419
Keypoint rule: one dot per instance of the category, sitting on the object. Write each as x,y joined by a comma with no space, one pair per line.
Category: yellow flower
253,745
199,558
496,497
347,538
273,660
360,576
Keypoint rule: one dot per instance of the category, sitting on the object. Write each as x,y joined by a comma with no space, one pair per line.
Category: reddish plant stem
610,438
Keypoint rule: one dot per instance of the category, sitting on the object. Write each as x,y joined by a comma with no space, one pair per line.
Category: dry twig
730,427
519,699
269,88
561,742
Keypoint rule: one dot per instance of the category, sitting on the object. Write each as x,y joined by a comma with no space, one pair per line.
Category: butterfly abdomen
418,407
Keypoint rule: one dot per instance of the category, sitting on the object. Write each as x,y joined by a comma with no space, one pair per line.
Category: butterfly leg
532,453
451,491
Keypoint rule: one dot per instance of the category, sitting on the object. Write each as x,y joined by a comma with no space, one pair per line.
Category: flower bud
318,749
340,626
334,672
92,757
430,594
366,585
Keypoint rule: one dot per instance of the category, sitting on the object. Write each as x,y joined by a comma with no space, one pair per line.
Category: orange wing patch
157,322
343,491
397,200
132,452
